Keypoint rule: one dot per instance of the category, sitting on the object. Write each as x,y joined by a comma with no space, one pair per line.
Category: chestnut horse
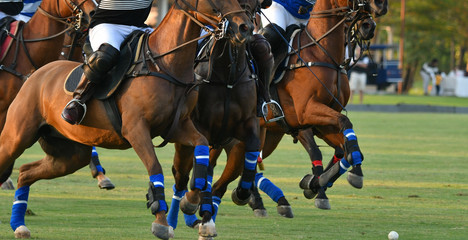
313,97
152,103
31,49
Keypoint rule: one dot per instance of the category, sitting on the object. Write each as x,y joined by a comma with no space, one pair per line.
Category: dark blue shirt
293,7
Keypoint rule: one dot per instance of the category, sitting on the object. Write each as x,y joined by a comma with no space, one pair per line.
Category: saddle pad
11,26
73,79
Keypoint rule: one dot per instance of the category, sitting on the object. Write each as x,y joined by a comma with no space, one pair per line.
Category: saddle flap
291,33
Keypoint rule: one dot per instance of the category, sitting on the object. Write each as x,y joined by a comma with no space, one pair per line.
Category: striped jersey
30,7
124,4
122,12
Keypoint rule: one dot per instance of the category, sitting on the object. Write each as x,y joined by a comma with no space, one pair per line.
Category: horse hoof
309,194
285,211
106,184
205,238
188,207
207,230
161,231
22,232
322,203
305,181
355,180
8,185
260,213
237,200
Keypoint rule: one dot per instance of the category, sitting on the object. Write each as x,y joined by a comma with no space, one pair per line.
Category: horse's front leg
251,139
202,176
138,136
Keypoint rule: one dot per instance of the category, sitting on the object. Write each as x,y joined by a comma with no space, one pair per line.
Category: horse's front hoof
161,231
285,211
355,180
22,232
355,177
309,194
207,230
106,184
188,207
237,200
260,213
322,203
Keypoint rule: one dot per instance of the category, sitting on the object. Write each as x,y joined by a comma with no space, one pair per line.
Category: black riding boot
99,63
262,53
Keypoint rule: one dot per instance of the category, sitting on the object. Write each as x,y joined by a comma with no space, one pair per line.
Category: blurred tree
433,29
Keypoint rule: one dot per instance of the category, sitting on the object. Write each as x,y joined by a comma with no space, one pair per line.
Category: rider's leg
99,63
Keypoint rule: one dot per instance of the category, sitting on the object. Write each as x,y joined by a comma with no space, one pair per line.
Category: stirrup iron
278,113
83,105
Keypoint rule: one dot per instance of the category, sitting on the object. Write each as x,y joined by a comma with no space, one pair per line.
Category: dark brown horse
152,103
313,97
31,49
226,109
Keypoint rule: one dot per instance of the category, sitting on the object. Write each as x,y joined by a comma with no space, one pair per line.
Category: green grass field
416,183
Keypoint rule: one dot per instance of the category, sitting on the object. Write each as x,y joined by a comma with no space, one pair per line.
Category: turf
416,183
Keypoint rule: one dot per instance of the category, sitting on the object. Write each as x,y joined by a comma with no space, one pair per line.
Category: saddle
129,61
9,27
129,55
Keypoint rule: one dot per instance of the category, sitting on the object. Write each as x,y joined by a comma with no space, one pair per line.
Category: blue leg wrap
344,165
94,154
158,182
216,203
19,207
173,213
202,159
190,219
268,187
353,146
250,163
206,201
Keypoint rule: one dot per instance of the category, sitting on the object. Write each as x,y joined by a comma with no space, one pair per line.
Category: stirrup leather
83,105
278,113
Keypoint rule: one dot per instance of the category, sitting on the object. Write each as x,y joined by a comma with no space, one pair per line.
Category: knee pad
100,62
260,45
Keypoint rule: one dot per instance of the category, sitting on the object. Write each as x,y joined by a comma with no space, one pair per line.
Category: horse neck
39,27
318,27
226,55
175,30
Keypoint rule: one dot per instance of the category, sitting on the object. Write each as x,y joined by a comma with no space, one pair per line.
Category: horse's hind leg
98,172
63,157
306,137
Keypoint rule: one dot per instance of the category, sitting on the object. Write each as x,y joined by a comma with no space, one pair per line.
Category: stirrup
83,105
278,113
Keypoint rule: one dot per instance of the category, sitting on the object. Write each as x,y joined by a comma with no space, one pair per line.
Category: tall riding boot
95,71
264,58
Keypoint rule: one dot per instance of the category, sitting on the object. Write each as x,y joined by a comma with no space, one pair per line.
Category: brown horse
313,97
152,103
31,49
